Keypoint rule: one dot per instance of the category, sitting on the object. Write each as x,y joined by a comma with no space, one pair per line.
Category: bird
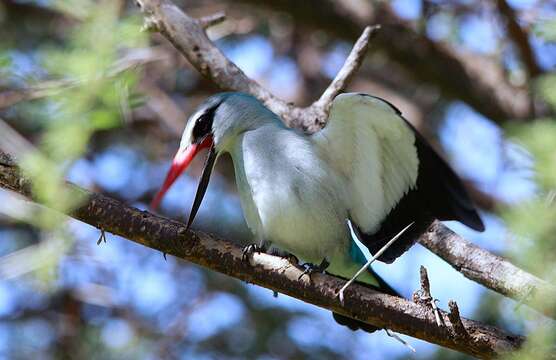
368,172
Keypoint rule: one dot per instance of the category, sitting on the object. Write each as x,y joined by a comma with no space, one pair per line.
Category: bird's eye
202,127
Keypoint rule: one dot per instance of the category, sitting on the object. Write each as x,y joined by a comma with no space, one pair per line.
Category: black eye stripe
203,124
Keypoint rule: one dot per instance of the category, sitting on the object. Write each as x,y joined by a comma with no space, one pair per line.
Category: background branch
519,37
272,272
477,80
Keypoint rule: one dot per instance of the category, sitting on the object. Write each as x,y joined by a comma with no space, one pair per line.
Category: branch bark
188,36
492,271
274,273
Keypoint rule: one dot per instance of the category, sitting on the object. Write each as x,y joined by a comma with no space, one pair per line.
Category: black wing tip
474,222
465,212
353,324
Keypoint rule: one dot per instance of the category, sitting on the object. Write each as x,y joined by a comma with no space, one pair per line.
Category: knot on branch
6,160
460,332
207,21
423,296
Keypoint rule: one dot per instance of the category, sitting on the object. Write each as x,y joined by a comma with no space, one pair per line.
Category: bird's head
215,125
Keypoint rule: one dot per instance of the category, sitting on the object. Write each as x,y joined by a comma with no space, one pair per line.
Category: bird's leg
366,266
312,268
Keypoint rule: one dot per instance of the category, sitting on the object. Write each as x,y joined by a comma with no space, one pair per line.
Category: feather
393,175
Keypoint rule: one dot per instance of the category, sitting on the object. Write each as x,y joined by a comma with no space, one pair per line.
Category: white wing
373,148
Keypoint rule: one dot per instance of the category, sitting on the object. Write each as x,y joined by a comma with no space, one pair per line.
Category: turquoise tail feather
370,278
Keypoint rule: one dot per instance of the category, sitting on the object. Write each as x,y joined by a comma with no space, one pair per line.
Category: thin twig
371,260
212,20
350,67
520,37
395,336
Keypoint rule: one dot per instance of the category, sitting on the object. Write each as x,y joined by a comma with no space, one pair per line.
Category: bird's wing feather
372,147
392,175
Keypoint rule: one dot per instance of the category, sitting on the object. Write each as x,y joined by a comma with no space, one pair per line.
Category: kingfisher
368,173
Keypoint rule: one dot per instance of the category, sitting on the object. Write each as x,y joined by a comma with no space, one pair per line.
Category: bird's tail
353,324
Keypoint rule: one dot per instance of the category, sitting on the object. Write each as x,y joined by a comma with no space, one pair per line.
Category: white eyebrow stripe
198,114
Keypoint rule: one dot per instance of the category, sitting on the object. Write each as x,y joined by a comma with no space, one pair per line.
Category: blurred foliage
546,30
89,96
532,223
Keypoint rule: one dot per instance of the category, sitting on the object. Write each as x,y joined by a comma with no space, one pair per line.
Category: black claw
292,258
312,268
307,271
102,237
250,249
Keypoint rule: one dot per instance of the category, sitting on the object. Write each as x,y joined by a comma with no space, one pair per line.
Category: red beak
181,161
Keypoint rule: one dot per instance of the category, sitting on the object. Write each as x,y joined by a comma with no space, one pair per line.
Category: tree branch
519,37
352,64
492,271
272,272
188,36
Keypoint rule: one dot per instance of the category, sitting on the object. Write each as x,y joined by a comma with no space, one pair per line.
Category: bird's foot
251,249
312,268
